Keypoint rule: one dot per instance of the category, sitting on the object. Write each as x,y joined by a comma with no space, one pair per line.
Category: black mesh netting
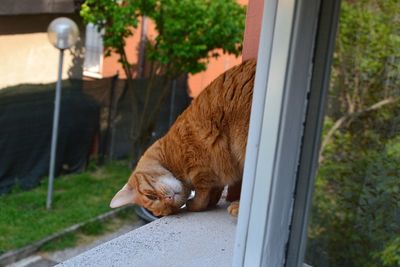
26,116
95,117
122,127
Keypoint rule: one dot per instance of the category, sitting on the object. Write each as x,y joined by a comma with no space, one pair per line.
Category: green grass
77,198
65,241
90,231
93,228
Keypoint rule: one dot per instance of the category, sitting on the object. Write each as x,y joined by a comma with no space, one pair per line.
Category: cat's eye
151,197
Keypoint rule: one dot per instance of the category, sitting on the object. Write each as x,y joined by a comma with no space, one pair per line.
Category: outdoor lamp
63,33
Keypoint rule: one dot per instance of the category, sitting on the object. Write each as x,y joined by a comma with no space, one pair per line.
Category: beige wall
28,57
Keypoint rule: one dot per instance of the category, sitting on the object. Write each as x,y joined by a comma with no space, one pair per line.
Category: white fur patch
172,183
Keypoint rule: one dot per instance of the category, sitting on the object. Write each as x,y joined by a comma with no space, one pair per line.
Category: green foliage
356,209
367,50
190,31
115,22
357,201
391,255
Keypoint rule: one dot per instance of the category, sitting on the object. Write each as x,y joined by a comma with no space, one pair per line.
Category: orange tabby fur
203,151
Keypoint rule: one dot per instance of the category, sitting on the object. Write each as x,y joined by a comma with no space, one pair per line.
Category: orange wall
111,66
251,38
199,81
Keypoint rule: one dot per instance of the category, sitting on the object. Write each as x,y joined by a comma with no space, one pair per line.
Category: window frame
275,148
324,48
94,48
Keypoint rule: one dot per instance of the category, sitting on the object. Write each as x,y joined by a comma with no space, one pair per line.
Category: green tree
117,20
366,61
356,212
189,33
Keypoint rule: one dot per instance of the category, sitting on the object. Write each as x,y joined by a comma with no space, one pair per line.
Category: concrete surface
33,261
52,258
187,239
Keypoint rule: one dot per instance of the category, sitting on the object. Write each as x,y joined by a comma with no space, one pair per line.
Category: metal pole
56,116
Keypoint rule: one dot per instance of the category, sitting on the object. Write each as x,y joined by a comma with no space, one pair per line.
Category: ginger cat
203,151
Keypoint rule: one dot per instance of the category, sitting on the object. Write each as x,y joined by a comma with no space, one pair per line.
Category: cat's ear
124,196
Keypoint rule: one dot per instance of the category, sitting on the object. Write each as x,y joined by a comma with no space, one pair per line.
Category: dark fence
26,116
95,119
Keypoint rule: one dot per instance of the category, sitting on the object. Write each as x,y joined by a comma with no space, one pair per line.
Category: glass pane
93,49
355,219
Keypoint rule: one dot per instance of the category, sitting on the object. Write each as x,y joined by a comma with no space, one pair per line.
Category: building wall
253,28
26,55
199,81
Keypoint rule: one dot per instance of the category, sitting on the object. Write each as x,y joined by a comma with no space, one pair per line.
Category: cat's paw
233,208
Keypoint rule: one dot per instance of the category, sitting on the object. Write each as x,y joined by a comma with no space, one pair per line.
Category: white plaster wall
30,58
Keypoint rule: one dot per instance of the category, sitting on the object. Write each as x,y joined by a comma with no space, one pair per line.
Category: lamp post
63,33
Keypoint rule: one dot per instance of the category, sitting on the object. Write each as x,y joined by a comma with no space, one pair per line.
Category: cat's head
162,194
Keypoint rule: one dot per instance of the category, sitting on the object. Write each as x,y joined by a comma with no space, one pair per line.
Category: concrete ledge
187,239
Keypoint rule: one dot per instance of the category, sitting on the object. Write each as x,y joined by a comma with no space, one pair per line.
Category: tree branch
353,115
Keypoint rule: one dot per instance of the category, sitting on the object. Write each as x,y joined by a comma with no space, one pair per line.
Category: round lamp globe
63,33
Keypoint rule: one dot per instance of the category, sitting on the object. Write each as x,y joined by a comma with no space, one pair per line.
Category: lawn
77,198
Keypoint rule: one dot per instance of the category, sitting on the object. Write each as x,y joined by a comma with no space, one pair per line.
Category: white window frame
280,102
93,61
